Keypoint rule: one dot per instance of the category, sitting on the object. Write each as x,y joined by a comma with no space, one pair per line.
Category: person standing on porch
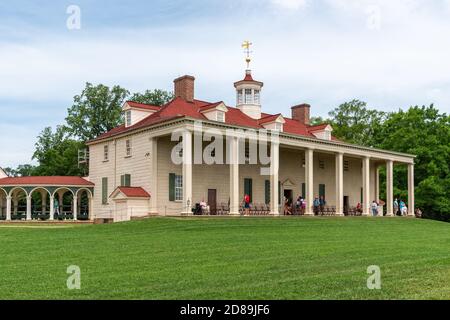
396,206
374,207
316,205
56,206
246,205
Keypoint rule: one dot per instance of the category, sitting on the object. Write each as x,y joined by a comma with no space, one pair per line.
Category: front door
346,205
212,201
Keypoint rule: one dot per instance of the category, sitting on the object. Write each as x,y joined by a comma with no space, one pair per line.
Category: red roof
53,181
179,108
318,127
134,192
269,118
210,106
143,106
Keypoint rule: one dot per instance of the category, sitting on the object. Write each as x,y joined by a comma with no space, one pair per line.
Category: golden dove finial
246,45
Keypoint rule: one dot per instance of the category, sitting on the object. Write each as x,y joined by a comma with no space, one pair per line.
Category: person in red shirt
246,205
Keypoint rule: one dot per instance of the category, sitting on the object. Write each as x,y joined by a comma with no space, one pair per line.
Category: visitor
402,207
316,205
396,206
359,208
204,206
418,213
287,207
56,206
246,205
374,207
322,204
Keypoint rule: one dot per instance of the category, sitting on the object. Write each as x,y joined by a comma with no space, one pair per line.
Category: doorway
346,205
289,195
212,201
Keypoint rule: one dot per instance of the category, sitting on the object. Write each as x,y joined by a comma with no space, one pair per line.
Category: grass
229,258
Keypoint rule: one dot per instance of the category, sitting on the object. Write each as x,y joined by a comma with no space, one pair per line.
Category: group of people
400,207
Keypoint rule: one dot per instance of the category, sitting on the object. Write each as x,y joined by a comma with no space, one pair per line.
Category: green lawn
221,258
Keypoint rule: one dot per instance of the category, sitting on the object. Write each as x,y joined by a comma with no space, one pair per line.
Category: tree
57,154
154,97
23,170
97,110
424,132
353,122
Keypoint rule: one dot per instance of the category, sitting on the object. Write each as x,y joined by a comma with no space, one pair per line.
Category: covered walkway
45,198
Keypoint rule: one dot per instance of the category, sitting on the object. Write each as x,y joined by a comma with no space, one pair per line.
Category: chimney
301,113
184,88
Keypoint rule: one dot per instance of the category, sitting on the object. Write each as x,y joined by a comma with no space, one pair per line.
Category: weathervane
246,45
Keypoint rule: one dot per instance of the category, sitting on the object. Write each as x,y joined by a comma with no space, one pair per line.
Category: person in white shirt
374,207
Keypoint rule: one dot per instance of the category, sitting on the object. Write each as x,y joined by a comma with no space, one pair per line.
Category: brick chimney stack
301,113
184,88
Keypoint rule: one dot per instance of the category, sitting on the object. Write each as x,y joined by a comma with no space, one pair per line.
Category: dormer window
128,118
278,126
220,116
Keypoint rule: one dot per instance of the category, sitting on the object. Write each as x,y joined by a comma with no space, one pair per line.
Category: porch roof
45,181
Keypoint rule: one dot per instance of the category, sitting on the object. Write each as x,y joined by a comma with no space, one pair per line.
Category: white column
52,208
340,184
390,188
29,207
274,173
309,181
411,190
75,207
8,208
366,186
233,158
187,172
90,208
154,175
43,201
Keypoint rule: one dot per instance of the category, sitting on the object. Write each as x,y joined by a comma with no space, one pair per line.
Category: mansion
132,172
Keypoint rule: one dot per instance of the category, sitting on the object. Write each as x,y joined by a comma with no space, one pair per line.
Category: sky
391,54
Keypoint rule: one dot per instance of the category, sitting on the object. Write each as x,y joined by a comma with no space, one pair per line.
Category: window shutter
322,191
267,191
171,186
303,190
104,190
122,181
127,181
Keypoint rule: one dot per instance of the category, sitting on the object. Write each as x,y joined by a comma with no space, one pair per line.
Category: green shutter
171,186
267,191
122,180
127,181
104,190
248,188
322,191
303,190
361,195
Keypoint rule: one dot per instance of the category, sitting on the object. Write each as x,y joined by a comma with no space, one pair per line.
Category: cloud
290,4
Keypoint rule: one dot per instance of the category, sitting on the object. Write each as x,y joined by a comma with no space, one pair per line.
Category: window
257,95
175,187
220,116
128,148
240,98
125,180
247,151
178,188
104,191
179,150
248,96
128,118
106,153
322,191
267,191
278,126
321,164
346,165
